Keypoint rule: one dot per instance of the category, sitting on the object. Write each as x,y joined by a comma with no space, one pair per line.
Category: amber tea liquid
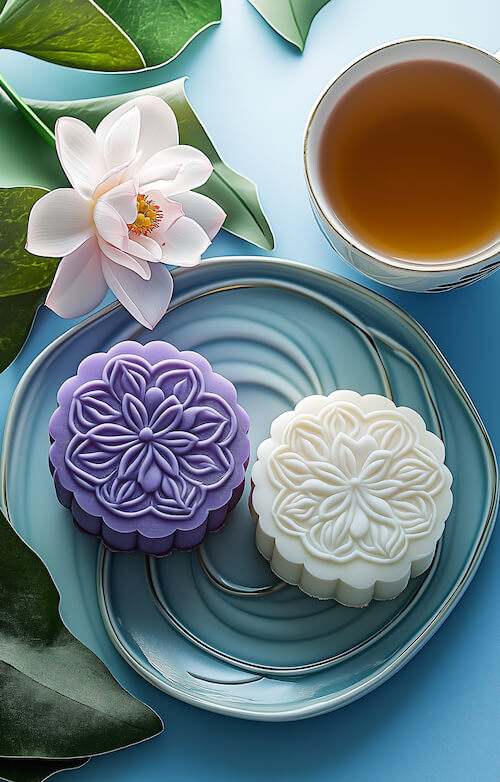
410,161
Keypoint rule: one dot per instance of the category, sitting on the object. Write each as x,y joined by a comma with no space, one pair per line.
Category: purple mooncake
149,447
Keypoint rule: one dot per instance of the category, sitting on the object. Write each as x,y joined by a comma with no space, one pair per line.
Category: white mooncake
350,494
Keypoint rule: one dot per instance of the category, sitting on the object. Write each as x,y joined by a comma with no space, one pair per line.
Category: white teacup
406,275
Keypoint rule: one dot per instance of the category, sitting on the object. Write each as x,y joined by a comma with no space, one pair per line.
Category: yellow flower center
149,216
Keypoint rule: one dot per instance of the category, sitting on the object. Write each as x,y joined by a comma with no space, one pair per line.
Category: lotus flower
130,211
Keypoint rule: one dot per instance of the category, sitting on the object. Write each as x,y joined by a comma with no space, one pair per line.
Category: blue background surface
437,719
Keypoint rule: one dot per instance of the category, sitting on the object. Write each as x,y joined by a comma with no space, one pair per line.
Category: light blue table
438,719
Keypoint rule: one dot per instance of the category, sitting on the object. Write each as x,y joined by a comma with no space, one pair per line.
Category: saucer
214,627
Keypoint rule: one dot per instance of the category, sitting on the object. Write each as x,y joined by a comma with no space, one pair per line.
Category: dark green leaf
35,770
20,272
162,29
24,278
290,18
16,317
68,32
236,194
58,701
24,159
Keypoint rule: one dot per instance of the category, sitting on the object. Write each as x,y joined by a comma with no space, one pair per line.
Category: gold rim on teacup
407,275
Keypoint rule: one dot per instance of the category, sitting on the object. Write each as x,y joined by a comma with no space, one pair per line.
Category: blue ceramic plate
215,627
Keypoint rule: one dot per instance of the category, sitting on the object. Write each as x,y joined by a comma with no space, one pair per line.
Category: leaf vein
106,714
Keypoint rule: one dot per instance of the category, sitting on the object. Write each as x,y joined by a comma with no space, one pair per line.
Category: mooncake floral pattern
355,485
150,438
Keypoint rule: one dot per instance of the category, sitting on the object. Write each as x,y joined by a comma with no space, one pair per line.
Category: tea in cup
402,158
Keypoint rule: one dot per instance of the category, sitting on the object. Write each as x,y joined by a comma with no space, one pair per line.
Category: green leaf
24,159
20,272
24,278
162,29
236,194
59,701
16,317
35,770
28,113
109,35
290,18
68,32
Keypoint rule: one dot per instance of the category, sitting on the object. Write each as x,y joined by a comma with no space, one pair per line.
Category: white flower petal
120,143
80,154
147,301
184,243
158,124
115,176
59,222
79,285
171,211
136,265
110,225
159,172
145,247
202,209
123,198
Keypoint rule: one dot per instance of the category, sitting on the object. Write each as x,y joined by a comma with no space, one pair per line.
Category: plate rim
339,699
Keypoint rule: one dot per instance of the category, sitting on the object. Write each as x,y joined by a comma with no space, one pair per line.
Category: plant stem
30,115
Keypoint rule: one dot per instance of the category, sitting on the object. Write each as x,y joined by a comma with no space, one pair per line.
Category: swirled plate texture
215,627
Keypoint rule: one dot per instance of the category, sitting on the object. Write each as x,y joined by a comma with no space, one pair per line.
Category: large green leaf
111,35
25,159
20,272
59,701
162,29
24,278
290,18
68,32
35,770
16,318
236,194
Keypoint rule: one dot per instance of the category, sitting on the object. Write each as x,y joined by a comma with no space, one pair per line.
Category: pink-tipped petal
171,211
137,265
59,222
80,154
147,301
144,247
110,225
120,143
158,124
158,173
123,198
79,285
184,243
202,209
